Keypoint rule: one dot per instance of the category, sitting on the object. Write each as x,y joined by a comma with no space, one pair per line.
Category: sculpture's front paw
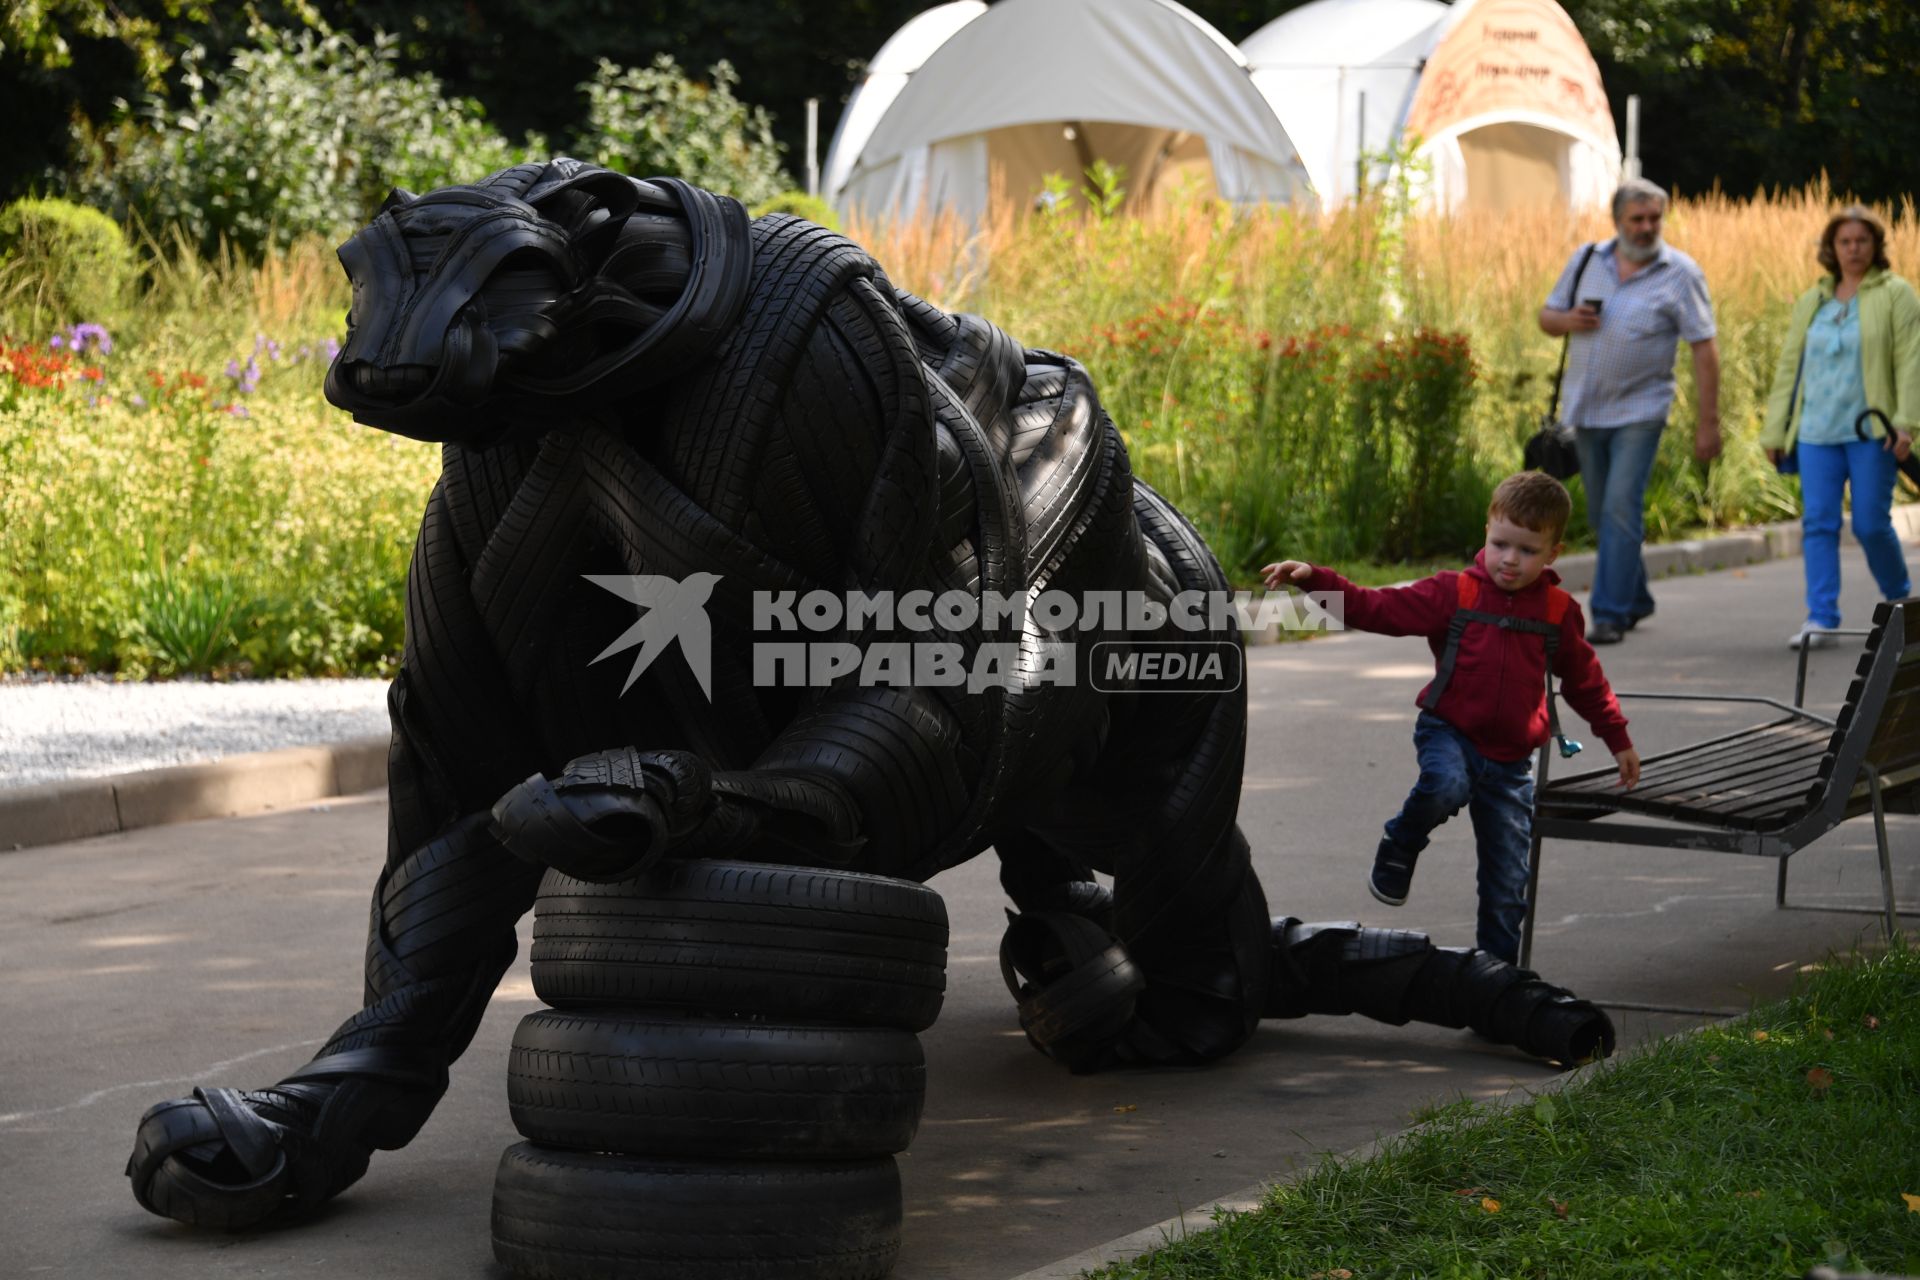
1075,984
610,815
221,1160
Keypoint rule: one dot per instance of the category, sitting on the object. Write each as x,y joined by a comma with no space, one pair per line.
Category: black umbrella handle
1909,465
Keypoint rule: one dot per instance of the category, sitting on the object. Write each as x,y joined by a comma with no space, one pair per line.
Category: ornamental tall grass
1477,279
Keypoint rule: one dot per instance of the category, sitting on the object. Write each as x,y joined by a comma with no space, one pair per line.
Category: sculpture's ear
395,198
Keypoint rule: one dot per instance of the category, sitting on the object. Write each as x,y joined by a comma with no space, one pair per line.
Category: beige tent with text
1501,96
1510,112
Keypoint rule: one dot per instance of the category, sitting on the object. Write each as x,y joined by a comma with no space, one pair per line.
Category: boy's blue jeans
1826,470
1499,797
1615,465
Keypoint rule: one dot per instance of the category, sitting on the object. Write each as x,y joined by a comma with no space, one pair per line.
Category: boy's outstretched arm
1286,571
1417,609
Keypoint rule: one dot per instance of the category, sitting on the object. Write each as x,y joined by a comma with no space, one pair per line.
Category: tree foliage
1747,93
1754,94
652,120
298,133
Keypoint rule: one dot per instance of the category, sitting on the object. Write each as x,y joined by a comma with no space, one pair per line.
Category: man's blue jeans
1615,463
1825,471
1499,797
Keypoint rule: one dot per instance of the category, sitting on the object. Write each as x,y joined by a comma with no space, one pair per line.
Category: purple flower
332,348
56,342
233,370
139,401
91,337
238,410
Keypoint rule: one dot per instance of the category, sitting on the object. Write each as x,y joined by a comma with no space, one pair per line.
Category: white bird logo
671,609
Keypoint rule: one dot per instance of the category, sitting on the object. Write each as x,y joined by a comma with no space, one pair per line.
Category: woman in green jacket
1846,397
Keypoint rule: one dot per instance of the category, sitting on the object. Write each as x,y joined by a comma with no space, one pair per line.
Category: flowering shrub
160,520
654,121
301,133
1330,442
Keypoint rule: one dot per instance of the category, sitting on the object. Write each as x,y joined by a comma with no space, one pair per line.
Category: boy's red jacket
1498,693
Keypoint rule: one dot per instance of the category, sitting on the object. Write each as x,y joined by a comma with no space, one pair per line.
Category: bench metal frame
1851,787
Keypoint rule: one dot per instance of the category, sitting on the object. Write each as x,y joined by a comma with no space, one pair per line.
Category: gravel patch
51,730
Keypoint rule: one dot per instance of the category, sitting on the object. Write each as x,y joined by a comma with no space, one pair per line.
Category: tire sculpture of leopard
633,383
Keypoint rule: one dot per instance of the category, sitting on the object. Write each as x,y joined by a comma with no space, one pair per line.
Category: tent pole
1360,151
813,146
1632,162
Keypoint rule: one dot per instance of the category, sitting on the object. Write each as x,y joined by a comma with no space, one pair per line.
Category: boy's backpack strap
1467,595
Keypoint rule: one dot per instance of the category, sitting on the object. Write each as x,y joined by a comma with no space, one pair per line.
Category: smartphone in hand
1592,302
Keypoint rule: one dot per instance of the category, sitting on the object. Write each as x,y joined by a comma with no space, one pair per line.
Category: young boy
1491,629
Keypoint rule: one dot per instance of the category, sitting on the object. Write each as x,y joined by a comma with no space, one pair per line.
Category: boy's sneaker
1392,874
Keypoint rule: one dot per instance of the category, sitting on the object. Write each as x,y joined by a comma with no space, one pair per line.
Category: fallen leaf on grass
1559,1208
1827,1032
1870,1022
1819,1079
1489,1204
1338,1273
1759,1035
1468,1191
1913,1202
1749,1195
1123,1109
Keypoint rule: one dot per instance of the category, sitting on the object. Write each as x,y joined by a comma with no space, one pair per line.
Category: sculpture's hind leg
1397,976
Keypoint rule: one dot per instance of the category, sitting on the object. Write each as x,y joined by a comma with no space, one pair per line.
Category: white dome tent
1503,96
1340,75
904,53
962,104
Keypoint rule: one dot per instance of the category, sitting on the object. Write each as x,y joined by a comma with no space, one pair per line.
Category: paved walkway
220,952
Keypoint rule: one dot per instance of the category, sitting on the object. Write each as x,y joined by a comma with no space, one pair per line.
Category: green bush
61,263
300,133
800,205
653,121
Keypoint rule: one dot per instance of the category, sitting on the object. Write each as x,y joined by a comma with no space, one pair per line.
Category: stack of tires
727,1068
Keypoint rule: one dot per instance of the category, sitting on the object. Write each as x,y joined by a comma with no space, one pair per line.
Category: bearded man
1622,305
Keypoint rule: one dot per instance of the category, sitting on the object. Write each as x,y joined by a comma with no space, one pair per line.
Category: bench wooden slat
1803,750
1730,790
1756,748
1730,747
1736,793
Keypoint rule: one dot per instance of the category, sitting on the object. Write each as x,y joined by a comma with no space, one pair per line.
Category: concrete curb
1201,1219
53,812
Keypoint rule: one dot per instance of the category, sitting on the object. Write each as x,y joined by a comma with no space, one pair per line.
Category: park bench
1769,790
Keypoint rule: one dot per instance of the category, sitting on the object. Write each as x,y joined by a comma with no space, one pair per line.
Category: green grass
1786,1139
